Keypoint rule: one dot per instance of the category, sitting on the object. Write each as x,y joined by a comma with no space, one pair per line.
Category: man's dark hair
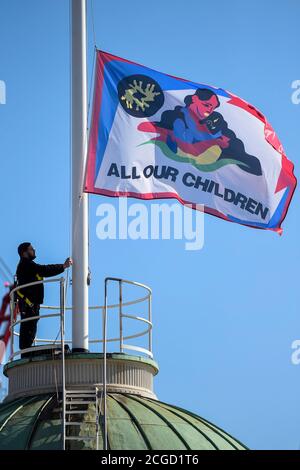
169,116
203,94
23,247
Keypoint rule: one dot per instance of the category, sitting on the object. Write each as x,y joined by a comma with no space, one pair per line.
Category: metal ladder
77,403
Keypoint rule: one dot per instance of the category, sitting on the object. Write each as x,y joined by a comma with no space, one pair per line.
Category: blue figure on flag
198,134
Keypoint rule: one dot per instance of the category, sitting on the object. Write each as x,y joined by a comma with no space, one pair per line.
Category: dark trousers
28,328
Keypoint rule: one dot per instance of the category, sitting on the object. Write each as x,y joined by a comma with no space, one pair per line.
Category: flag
155,136
5,320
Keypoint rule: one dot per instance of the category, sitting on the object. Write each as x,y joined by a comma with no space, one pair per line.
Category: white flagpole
79,200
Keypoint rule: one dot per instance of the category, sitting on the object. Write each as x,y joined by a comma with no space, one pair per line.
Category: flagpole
79,200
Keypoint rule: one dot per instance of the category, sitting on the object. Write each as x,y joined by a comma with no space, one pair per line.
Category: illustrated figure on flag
157,136
196,133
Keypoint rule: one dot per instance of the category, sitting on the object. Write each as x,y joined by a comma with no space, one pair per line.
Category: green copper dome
133,423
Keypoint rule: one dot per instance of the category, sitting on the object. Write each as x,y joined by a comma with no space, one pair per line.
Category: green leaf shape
207,167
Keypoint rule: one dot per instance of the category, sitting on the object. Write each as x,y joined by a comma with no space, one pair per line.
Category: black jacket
29,271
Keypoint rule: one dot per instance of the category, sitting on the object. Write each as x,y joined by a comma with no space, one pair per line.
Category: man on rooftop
30,298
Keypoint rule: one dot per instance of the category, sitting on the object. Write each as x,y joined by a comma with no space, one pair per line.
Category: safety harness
22,296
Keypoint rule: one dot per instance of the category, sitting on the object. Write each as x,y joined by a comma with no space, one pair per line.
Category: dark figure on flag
198,134
30,298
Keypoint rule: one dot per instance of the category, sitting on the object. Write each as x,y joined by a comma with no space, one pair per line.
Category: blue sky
224,317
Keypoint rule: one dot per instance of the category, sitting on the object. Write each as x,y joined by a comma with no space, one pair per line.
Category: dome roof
133,423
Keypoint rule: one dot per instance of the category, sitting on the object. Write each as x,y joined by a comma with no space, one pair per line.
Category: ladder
79,427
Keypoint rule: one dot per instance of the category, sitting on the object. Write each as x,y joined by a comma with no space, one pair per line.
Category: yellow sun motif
139,102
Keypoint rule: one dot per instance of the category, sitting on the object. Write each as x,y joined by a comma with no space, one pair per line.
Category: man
31,297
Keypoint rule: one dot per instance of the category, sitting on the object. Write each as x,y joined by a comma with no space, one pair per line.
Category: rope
55,378
93,23
73,224
70,130
86,138
3,275
8,271
90,85
56,338
88,119
85,145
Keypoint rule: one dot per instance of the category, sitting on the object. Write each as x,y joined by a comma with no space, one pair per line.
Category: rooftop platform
43,374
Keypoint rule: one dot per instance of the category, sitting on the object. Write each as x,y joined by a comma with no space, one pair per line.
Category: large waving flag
157,136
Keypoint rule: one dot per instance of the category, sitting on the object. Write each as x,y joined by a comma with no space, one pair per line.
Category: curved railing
61,315
61,310
14,321
104,311
122,315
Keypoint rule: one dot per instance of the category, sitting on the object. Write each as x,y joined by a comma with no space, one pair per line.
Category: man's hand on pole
68,263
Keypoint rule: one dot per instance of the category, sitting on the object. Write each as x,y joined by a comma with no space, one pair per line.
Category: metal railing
103,310
121,339
14,322
123,346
